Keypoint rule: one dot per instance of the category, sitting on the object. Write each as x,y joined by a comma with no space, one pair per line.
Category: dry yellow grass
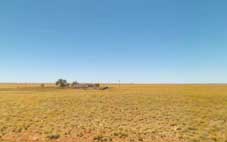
129,113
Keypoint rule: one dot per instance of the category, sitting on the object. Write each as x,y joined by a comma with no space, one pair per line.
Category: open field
129,113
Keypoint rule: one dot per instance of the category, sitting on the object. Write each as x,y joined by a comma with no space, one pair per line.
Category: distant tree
74,83
62,83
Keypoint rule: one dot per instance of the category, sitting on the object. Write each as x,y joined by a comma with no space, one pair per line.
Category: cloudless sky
140,41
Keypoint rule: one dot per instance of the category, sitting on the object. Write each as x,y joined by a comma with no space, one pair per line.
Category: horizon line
131,83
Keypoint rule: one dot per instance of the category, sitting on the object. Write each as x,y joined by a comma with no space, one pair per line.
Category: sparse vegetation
42,85
131,113
53,136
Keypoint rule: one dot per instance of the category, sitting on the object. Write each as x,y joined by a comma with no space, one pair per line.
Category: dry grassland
129,113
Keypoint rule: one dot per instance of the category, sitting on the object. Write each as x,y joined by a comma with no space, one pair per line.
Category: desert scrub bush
120,135
101,138
42,85
53,136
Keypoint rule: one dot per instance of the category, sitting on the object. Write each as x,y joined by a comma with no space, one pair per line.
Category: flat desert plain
125,113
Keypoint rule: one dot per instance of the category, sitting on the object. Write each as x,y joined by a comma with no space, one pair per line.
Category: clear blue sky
143,41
